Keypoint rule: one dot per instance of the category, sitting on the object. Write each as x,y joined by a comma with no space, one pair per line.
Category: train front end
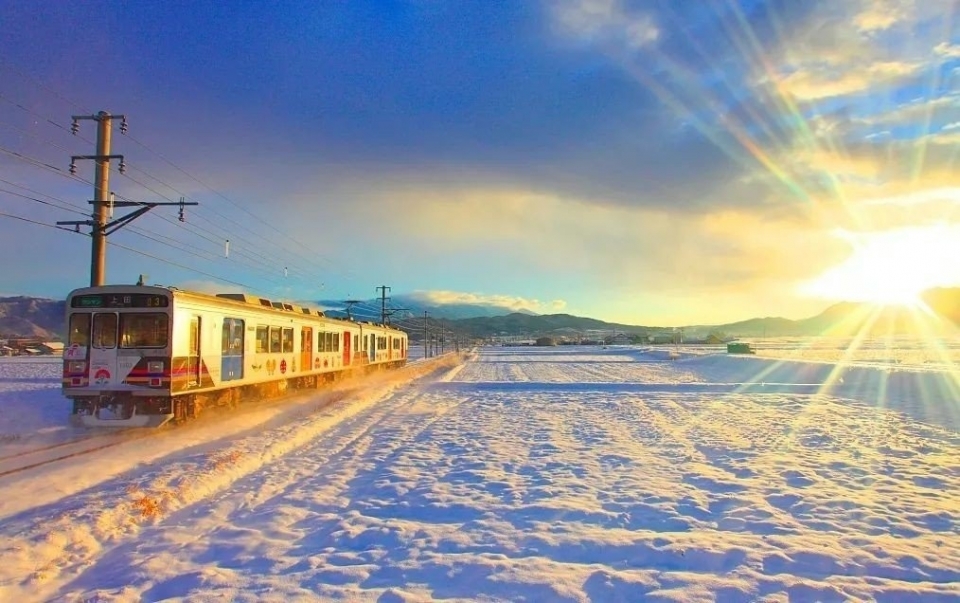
117,360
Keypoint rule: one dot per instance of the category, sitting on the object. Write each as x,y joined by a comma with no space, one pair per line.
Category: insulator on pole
226,248
113,199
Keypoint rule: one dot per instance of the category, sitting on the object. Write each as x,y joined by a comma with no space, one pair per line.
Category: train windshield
144,330
80,330
105,330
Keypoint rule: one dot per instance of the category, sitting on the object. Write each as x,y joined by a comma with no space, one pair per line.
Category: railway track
4,458
45,455
52,453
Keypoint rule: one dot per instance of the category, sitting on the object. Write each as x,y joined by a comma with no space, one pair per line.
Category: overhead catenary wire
76,209
156,237
304,272
126,247
45,165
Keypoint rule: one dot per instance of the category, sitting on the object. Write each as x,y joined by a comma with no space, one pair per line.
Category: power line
39,83
38,223
223,217
310,260
67,207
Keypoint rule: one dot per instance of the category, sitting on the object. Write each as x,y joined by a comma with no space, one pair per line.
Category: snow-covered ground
566,474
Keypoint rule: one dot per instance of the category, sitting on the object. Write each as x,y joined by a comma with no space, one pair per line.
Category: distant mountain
414,307
37,317
945,302
31,317
518,324
846,319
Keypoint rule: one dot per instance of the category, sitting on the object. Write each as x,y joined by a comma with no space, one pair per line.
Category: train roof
238,298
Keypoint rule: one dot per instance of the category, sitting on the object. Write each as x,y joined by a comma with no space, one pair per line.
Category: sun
893,266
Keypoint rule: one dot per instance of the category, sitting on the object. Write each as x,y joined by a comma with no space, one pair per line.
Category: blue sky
644,162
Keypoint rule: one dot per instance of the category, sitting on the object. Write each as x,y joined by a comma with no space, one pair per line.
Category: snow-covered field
565,474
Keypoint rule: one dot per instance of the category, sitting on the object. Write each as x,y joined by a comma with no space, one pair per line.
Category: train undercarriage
144,408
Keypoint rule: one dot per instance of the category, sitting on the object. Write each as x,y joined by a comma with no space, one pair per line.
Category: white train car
140,356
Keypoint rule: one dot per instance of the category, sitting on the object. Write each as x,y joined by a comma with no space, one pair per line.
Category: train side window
263,339
104,330
238,335
275,347
320,341
144,330
80,329
287,340
232,337
336,341
356,342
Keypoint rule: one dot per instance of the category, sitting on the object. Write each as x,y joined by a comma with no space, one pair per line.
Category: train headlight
155,366
77,366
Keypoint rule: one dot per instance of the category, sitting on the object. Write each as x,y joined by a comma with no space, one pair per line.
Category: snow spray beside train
139,356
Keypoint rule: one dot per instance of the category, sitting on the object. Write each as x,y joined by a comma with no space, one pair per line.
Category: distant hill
846,319
31,317
414,306
945,302
37,317
518,323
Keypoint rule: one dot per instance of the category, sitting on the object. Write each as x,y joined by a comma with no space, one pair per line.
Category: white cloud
920,197
825,57
878,15
947,51
817,82
208,287
607,21
442,297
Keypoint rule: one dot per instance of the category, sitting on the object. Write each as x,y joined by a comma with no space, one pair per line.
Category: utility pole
441,338
350,304
391,311
101,190
383,303
424,333
99,227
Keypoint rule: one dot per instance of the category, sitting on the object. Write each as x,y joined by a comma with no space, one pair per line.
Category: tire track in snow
342,456
72,542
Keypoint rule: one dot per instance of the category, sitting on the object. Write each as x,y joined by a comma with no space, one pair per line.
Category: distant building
31,347
52,347
545,341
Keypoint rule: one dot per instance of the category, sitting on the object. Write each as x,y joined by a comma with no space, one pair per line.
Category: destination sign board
127,300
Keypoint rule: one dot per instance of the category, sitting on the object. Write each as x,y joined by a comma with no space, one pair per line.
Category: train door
346,348
103,349
306,348
193,353
231,353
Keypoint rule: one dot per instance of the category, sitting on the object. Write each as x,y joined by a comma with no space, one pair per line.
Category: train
145,356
